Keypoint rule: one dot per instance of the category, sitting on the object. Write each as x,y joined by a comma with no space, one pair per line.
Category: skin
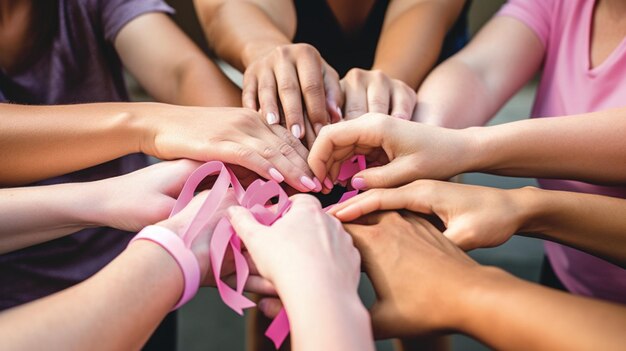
449,291
296,256
470,87
531,148
146,269
258,41
118,291
154,50
478,217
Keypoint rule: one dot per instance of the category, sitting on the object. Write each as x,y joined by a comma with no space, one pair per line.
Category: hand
287,76
200,245
418,275
305,245
411,150
231,135
372,91
132,201
474,216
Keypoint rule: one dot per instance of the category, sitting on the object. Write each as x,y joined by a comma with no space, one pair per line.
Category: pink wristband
186,260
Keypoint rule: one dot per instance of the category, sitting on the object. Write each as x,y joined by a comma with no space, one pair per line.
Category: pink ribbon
256,198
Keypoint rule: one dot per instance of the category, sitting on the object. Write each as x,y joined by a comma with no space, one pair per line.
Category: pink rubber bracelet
186,260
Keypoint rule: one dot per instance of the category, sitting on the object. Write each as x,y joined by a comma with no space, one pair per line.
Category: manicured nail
275,174
328,183
307,182
295,130
271,118
359,183
339,112
318,185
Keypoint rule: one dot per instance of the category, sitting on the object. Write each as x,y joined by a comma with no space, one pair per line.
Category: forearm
201,83
510,314
570,147
324,318
454,95
591,223
411,41
240,31
38,142
117,309
34,215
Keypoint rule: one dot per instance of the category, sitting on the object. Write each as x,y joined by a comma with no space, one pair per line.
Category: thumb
460,237
244,223
395,173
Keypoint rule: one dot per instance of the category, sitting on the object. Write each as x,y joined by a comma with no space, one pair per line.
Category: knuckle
312,87
286,149
289,86
268,152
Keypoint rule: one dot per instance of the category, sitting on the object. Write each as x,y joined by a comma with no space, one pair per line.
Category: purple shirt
81,66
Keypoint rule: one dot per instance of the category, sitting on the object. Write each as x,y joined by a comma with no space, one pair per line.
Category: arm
477,217
38,142
412,36
470,87
118,202
312,263
450,291
255,36
131,295
540,148
169,65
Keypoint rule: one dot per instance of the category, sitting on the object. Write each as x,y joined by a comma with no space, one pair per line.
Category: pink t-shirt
570,86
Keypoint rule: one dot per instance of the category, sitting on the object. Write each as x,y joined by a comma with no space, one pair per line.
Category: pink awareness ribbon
256,198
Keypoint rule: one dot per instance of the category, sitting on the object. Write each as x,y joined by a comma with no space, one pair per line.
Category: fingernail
317,127
318,185
307,182
295,130
275,174
271,118
328,183
339,112
359,183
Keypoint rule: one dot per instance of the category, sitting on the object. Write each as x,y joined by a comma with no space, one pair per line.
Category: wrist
536,206
142,121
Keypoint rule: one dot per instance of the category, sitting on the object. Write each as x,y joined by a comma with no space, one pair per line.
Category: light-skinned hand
474,216
408,151
293,81
373,91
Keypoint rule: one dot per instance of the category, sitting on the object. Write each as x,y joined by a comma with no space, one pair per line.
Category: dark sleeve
115,14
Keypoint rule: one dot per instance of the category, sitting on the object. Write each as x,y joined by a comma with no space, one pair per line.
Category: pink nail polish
296,131
339,112
275,174
307,182
359,184
328,183
271,118
318,185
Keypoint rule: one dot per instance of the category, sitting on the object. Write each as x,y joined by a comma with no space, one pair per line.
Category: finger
244,223
312,84
294,143
272,149
249,91
290,97
270,306
356,98
255,284
403,101
309,133
378,95
370,201
246,156
366,132
268,97
334,94
398,172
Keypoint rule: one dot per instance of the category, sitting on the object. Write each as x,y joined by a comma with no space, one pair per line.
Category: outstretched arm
477,217
38,142
471,86
170,66
450,291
